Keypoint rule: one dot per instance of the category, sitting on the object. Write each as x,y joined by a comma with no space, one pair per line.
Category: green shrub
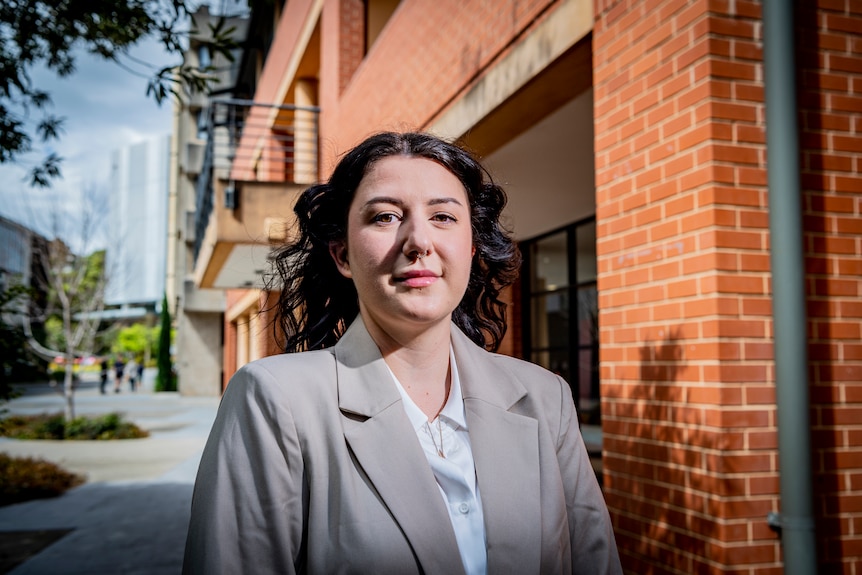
53,426
25,478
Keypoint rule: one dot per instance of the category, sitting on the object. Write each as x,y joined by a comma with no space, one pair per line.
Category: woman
394,443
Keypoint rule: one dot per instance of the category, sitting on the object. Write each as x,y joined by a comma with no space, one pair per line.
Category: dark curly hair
316,303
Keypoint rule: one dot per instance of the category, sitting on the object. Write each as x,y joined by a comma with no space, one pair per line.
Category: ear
338,251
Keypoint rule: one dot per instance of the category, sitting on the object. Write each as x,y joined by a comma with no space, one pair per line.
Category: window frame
529,295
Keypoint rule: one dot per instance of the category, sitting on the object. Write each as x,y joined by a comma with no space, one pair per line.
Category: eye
444,217
385,218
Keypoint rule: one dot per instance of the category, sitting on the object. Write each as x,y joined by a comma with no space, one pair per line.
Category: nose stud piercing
420,255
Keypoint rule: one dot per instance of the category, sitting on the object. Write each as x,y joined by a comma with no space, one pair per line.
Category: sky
105,108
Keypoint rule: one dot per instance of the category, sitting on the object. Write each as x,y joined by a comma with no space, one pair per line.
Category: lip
417,278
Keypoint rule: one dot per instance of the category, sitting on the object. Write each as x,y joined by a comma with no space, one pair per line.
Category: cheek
368,252
462,254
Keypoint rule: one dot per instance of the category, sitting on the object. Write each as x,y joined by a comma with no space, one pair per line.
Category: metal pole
788,287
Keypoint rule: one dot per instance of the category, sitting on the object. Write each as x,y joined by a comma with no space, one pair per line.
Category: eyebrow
396,202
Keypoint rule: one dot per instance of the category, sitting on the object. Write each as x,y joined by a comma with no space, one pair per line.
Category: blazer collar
385,445
480,378
360,361
504,445
360,365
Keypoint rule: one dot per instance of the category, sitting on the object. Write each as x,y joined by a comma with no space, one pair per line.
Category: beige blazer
312,466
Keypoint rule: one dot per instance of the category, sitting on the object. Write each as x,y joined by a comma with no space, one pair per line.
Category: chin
424,315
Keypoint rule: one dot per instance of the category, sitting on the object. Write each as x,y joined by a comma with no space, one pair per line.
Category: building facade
198,312
630,137
21,264
16,253
137,224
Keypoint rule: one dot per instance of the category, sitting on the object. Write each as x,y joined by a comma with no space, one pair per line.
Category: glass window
201,123
204,60
561,310
550,263
586,258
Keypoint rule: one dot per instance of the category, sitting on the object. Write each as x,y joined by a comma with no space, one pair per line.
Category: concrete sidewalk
132,514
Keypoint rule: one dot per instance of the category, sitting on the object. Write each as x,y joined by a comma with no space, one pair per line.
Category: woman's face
409,245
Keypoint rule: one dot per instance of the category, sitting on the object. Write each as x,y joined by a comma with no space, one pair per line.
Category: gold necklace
439,448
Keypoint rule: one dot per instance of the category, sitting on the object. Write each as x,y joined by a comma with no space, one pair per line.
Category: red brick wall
687,374
688,416
351,48
830,69
438,49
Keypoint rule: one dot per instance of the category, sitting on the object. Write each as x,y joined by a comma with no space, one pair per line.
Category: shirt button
464,508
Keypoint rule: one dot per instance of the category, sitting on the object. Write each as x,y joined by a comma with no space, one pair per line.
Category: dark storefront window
561,310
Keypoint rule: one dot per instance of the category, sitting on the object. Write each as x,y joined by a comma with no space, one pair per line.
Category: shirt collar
453,410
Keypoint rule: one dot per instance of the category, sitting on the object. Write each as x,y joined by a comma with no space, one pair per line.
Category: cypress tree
164,378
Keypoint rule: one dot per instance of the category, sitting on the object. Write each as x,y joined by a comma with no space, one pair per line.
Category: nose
417,239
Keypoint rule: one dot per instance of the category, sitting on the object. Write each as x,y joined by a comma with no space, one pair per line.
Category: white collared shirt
455,472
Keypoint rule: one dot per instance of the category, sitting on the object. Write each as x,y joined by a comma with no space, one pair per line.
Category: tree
165,377
137,339
75,285
77,296
50,32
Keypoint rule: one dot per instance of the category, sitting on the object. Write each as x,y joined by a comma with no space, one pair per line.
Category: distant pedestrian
132,369
140,379
103,375
119,369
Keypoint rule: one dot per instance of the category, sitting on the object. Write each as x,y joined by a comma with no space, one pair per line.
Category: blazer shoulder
302,361
292,373
525,370
544,387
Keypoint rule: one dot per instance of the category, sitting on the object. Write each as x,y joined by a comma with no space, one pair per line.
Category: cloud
105,108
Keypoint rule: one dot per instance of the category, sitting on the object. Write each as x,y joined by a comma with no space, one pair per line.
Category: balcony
258,158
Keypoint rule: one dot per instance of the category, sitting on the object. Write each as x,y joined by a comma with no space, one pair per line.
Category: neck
420,361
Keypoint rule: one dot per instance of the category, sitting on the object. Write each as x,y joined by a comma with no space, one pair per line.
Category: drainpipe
796,520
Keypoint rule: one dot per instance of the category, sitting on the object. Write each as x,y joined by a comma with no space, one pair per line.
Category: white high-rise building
139,213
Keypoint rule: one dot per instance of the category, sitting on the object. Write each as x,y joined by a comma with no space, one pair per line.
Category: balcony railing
249,141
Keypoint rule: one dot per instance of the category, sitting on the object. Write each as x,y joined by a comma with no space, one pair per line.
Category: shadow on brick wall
828,185
661,363
662,526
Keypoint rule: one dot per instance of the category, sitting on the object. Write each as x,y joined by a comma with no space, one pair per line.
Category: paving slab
132,514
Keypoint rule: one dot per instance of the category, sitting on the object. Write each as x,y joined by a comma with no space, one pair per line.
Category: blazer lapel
506,452
385,445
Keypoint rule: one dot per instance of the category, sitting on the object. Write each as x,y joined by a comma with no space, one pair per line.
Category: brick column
691,466
690,455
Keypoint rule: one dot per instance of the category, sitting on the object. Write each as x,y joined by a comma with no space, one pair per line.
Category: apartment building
631,139
198,312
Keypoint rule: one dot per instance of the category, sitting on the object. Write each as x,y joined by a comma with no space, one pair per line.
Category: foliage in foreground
25,478
47,35
54,426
